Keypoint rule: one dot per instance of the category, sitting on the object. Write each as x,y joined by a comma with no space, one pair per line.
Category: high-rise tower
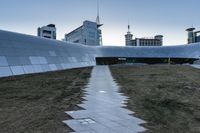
128,37
87,34
191,35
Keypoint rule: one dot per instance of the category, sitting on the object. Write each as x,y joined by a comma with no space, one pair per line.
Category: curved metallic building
24,54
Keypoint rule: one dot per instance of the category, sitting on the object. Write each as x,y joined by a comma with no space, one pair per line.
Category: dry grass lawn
36,103
166,96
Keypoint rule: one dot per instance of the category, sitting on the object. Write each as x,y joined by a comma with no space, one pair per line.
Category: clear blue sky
146,17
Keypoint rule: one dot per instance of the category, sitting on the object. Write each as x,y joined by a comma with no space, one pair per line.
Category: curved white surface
24,54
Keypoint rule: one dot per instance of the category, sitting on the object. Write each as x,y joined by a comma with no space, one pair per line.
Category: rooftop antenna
128,26
97,7
98,18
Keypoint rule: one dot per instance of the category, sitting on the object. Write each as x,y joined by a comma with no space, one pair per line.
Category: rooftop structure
193,36
155,41
87,34
24,54
48,31
129,37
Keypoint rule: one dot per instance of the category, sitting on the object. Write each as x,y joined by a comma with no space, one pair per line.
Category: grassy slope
167,97
36,103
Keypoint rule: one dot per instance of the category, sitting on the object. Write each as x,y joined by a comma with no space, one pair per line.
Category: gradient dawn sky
146,17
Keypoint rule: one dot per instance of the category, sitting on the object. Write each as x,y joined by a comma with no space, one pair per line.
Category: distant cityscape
90,34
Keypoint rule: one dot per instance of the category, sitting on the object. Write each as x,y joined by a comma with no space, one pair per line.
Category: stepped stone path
104,108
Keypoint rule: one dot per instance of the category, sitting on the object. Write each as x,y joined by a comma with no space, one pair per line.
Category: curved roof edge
24,54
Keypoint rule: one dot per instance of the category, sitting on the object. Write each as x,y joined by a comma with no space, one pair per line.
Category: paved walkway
104,112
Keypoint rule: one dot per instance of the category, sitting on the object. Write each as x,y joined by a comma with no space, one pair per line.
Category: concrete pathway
104,112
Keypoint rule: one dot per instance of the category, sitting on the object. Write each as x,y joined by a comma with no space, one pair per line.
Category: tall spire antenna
97,7
128,26
98,18
192,26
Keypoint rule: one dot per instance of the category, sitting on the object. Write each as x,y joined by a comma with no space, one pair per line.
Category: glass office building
88,34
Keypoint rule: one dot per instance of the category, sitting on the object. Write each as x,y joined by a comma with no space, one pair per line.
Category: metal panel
53,67
3,61
28,69
13,61
37,68
66,66
45,68
42,60
5,71
52,53
34,60
59,66
17,70
25,60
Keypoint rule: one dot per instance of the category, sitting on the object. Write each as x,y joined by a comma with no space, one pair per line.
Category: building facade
155,41
193,36
88,34
48,31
